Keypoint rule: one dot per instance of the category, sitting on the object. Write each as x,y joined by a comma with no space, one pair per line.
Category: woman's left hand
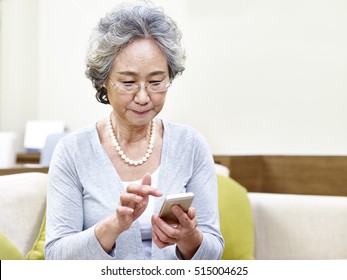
186,234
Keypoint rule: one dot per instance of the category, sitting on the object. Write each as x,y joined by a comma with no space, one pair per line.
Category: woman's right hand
133,202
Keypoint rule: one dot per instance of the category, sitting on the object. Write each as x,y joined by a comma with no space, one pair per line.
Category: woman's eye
128,84
155,82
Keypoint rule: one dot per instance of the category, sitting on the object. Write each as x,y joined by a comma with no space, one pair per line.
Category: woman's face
140,62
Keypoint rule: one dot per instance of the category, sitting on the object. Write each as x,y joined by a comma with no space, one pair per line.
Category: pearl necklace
120,151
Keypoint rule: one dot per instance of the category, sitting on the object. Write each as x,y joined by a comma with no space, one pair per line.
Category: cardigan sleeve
203,183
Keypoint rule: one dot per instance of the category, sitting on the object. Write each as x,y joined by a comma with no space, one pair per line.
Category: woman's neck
127,134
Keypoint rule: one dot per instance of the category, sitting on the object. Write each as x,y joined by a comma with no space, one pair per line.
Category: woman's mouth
141,113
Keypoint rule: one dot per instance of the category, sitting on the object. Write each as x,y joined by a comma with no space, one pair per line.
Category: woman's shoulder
82,136
175,127
184,133
82,132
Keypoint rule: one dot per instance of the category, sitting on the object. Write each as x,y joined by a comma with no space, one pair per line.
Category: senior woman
108,181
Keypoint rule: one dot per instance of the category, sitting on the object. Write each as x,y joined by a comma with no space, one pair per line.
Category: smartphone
184,200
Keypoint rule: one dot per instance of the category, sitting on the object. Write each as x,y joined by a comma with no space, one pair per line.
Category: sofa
254,225
22,218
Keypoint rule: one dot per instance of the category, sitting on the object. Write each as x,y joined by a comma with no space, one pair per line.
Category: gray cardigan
84,188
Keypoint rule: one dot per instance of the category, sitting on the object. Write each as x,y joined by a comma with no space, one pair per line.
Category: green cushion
37,251
235,220
8,250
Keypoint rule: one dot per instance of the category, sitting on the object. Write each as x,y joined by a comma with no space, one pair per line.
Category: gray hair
119,28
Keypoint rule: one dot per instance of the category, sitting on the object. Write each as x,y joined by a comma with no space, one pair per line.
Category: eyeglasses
132,88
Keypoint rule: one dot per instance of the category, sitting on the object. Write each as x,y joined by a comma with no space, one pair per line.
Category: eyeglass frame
139,87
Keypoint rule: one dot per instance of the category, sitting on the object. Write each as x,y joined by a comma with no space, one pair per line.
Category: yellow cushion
235,220
8,250
37,251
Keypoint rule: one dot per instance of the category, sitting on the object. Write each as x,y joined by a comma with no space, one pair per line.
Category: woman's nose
142,96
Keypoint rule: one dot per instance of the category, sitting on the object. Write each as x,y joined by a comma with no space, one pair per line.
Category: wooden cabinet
26,162
317,175
24,158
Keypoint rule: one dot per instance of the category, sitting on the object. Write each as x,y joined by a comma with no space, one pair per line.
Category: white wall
262,77
18,64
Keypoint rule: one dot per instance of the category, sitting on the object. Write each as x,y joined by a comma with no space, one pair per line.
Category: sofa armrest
299,226
23,205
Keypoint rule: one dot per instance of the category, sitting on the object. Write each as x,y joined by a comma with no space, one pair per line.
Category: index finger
148,190
143,190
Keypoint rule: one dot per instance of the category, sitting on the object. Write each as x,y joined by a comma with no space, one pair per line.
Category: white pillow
221,169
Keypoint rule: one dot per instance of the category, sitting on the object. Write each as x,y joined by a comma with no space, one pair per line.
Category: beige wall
262,77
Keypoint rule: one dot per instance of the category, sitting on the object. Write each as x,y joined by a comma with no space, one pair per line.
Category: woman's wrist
106,233
190,245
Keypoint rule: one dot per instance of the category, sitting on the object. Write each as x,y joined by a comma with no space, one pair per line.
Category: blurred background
262,77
